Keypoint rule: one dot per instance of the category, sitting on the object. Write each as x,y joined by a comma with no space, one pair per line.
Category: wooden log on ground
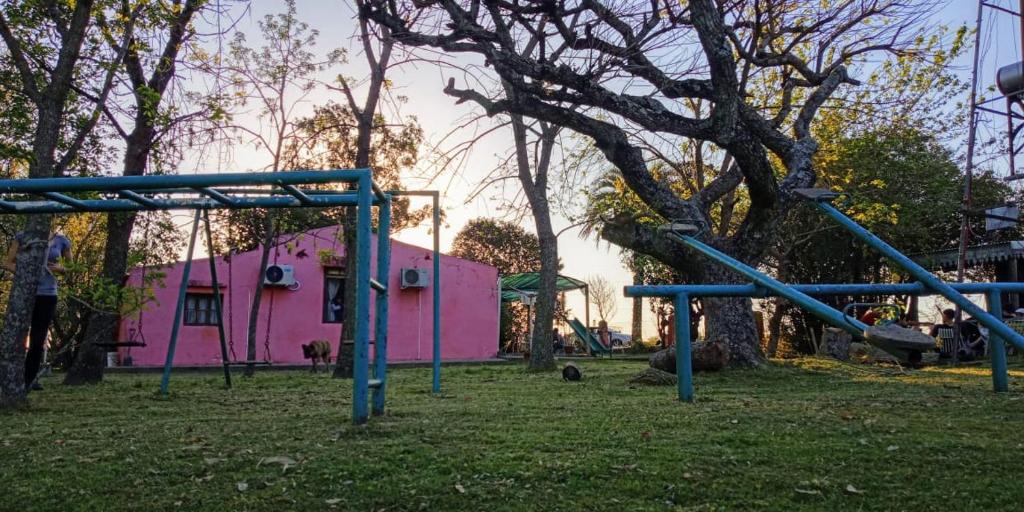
706,357
654,377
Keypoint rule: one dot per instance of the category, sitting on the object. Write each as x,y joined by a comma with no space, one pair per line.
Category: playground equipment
588,338
901,342
205,192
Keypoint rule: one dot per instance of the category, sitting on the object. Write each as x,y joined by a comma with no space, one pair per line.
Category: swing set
272,190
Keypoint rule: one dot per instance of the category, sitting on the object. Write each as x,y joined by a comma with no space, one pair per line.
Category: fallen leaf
687,475
812,492
892,448
332,501
212,460
853,490
284,461
646,436
242,486
734,421
460,488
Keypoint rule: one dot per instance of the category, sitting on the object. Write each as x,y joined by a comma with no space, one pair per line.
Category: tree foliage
500,244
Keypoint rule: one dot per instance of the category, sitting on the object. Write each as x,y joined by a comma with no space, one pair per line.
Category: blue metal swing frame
204,192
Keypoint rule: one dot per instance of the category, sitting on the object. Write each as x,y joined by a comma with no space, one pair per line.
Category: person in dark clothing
45,307
557,342
971,342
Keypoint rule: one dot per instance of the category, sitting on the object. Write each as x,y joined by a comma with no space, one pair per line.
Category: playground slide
593,344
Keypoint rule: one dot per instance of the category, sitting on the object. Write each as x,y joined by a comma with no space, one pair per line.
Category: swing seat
900,338
112,346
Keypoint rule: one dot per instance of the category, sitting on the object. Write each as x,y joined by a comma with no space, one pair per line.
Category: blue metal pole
751,290
179,310
437,292
174,203
159,181
217,300
684,363
801,299
361,370
996,347
995,325
380,331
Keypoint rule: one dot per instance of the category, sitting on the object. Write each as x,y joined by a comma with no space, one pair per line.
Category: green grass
790,436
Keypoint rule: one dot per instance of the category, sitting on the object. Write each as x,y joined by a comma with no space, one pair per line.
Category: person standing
45,306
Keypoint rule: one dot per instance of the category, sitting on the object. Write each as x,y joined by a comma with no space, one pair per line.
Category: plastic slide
593,344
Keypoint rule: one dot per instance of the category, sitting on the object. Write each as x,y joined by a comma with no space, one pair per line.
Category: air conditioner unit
279,275
415,278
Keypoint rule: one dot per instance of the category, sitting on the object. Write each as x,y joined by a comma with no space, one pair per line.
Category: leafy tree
52,46
275,78
903,185
512,250
500,244
150,68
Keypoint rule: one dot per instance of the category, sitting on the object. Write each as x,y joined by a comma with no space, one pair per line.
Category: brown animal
318,350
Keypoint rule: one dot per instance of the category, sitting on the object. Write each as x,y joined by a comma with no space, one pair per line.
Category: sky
437,113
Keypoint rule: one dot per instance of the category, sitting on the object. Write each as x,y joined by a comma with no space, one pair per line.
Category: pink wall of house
469,314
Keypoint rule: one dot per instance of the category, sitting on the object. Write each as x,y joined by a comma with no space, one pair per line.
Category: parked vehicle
620,340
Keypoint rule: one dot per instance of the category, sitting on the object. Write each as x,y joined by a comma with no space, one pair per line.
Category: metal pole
216,300
996,348
361,366
926,278
380,330
586,306
684,363
818,308
437,292
972,118
165,381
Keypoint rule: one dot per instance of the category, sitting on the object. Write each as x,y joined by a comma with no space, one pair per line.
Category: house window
200,309
334,295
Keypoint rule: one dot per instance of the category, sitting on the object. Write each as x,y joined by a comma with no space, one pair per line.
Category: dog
318,350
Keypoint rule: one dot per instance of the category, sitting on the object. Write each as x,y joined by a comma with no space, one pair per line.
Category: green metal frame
205,192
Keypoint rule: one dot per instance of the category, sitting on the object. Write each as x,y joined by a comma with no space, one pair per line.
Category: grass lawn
809,434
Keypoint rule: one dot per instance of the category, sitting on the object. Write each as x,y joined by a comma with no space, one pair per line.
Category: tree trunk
89,359
257,296
730,320
542,357
344,363
775,327
28,264
344,367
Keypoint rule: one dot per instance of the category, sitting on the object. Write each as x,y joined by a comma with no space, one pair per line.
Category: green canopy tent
515,287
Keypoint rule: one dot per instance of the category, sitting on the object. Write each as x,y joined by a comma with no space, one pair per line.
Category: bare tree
276,78
603,296
745,77
377,47
48,80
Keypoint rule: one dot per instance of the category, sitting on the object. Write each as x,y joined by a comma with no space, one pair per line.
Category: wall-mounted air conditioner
415,278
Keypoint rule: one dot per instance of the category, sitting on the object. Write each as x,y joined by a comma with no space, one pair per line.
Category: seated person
558,341
943,332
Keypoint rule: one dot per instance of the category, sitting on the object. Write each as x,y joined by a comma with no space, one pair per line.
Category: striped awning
513,286
976,255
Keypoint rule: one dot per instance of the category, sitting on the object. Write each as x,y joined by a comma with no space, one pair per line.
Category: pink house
309,309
